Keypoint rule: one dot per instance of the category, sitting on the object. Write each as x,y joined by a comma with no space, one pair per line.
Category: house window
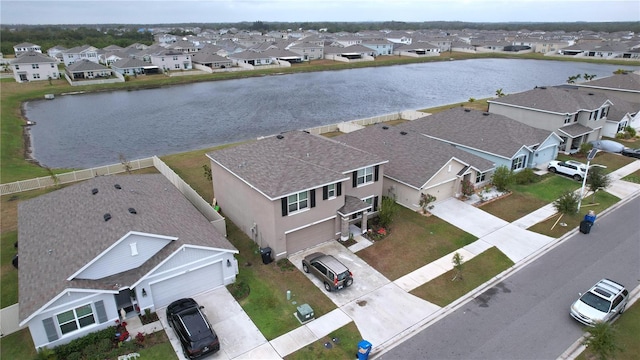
177,66
298,201
75,319
36,76
603,112
567,120
480,177
52,66
89,73
365,176
17,67
518,163
175,58
35,66
331,191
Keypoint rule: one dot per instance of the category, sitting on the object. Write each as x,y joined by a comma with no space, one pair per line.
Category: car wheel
327,287
577,177
305,268
348,283
622,309
553,170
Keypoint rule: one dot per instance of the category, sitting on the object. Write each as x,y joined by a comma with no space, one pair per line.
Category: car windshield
596,302
343,276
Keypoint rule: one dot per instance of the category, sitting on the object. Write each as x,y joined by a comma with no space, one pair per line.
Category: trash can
585,226
590,217
364,348
266,255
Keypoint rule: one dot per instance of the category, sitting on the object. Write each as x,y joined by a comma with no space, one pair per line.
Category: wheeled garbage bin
364,348
266,255
585,226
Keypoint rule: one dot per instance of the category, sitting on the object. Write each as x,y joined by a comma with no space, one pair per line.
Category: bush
502,178
467,188
567,203
585,148
388,211
78,345
526,176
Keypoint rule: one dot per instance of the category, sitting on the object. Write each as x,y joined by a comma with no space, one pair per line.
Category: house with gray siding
418,164
34,66
109,248
295,190
576,116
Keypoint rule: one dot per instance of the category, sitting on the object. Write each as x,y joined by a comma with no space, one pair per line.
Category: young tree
425,200
602,340
458,264
502,178
499,93
567,203
126,164
597,180
388,211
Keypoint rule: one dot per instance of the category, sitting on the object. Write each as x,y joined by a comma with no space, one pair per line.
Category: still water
80,131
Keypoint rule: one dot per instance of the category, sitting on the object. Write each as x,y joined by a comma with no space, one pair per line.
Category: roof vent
107,217
542,87
132,211
279,136
591,94
94,191
403,133
117,186
467,110
485,113
385,127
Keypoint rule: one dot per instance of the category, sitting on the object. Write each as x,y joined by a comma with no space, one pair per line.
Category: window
298,201
365,176
52,66
567,120
480,177
331,191
177,66
17,67
175,58
35,66
75,319
36,76
518,163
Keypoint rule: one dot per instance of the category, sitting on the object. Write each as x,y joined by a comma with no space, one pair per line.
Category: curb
438,315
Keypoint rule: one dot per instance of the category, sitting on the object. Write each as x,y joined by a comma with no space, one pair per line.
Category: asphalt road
526,316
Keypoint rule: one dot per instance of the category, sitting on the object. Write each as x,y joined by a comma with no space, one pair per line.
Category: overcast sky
216,11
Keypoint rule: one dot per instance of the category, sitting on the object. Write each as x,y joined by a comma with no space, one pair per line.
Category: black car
193,329
635,153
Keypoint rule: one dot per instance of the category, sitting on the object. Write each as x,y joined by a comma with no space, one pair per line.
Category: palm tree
499,93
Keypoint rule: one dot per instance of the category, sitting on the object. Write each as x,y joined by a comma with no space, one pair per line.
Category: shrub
631,131
526,176
388,211
467,188
567,203
105,345
585,148
502,178
425,200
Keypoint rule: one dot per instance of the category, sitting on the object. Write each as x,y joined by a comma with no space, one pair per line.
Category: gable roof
292,162
62,231
86,65
130,63
487,132
32,57
623,82
413,158
560,100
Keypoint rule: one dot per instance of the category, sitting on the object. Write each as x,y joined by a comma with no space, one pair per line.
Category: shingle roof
292,162
130,63
62,231
492,133
629,81
32,57
86,65
413,158
559,100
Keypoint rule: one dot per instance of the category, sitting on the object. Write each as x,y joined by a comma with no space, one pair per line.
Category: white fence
355,124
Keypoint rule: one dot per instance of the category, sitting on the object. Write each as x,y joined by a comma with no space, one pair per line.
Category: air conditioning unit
304,313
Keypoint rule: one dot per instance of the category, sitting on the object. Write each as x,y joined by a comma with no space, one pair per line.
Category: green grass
413,241
442,291
627,329
550,188
162,351
514,206
345,347
9,276
18,345
633,177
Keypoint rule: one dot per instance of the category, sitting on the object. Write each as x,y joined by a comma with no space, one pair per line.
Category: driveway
239,337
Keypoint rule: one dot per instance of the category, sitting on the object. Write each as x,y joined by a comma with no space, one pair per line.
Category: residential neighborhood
103,252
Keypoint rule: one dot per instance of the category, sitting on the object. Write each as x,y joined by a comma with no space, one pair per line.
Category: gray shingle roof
292,162
33,57
413,157
559,100
62,231
492,133
629,82
85,65
130,63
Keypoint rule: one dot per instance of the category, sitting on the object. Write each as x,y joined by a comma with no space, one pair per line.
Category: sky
43,12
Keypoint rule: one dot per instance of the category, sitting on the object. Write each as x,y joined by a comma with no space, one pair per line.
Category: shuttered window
75,319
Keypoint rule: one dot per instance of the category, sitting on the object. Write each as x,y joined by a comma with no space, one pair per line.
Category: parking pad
365,278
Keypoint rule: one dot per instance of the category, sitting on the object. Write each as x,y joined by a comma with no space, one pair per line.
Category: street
527,316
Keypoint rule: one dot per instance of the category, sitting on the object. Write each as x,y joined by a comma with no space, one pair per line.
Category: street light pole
590,157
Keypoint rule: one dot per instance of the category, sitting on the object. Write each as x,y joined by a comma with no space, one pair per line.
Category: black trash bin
266,255
585,226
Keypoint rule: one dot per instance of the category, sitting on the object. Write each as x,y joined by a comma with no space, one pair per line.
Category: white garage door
187,284
310,236
443,191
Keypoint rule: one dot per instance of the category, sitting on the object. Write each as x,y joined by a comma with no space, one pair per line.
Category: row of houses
119,245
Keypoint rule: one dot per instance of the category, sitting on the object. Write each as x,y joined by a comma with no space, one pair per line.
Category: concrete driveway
467,217
239,337
365,278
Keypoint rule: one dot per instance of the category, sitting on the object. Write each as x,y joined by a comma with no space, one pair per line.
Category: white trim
310,224
57,297
183,272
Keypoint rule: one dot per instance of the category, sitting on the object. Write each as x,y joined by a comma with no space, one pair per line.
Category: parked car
607,145
192,327
334,274
635,153
570,168
602,302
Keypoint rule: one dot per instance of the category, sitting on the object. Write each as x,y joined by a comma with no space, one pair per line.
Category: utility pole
590,157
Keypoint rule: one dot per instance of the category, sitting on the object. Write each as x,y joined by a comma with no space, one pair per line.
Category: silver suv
334,274
602,302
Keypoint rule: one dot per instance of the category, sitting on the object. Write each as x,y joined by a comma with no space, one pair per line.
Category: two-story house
308,50
26,47
112,246
576,116
84,52
171,60
295,190
34,66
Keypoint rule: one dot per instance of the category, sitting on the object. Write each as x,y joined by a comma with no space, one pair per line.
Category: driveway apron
467,217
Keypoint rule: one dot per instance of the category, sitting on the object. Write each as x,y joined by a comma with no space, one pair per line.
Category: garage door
443,191
310,236
187,284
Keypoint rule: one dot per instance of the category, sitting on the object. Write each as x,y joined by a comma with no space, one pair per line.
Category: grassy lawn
18,345
611,161
345,346
442,290
633,177
550,188
603,201
514,206
628,328
413,241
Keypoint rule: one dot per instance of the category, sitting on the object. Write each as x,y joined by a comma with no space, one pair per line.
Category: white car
602,302
571,168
